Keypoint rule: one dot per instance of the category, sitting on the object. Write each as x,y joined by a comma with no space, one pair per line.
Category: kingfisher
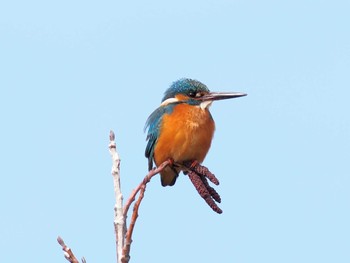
181,128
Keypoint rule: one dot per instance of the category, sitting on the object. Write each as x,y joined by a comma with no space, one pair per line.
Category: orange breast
185,134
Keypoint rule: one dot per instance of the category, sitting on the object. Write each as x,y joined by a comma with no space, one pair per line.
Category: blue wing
153,124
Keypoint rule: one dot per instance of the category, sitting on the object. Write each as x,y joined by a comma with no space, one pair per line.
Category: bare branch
140,188
68,254
123,236
135,214
119,219
147,178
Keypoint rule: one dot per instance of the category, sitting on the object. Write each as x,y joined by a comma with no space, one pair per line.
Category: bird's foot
171,161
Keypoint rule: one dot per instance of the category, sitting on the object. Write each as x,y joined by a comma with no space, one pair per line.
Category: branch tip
60,241
111,135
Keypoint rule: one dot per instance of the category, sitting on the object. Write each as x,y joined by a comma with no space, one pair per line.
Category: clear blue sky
72,70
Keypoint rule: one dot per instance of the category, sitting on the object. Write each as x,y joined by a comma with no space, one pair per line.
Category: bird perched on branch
181,128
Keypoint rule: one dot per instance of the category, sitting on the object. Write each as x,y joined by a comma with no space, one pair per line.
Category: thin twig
141,188
147,178
135,214
68,253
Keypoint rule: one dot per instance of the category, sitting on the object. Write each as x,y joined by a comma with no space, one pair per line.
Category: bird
181,129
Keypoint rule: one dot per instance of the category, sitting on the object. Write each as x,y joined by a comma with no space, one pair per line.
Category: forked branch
122,233
196,172
68,253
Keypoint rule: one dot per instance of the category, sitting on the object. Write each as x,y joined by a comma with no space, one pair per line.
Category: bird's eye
192,94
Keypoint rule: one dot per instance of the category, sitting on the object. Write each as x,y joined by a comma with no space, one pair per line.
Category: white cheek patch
168,101
205,104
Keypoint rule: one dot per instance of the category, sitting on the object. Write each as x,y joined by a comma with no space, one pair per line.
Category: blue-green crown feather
189,87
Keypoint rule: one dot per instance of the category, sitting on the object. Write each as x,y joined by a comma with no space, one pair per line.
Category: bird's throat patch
205,104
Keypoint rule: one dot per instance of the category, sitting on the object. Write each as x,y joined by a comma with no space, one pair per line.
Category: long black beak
221,96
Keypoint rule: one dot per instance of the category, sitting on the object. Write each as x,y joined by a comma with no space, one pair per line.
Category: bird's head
195,93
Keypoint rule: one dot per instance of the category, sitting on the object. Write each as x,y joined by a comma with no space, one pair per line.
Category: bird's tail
168,176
